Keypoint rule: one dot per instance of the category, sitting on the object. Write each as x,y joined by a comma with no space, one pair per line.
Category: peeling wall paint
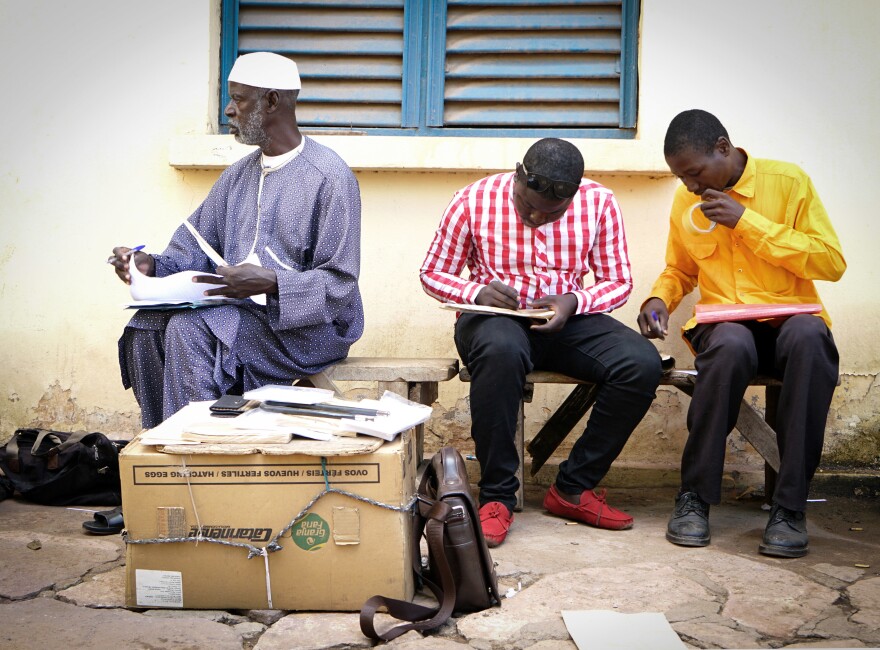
58,409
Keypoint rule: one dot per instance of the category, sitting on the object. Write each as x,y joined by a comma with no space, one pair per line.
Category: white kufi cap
265,70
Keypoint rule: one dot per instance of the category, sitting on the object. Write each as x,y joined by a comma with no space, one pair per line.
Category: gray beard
251,131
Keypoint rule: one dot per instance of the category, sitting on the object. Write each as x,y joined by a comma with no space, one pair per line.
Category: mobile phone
230,406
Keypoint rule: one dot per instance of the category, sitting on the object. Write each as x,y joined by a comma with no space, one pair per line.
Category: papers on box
194,424
402,415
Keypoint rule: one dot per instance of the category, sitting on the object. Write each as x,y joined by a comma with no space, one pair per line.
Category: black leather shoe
786,533
689,525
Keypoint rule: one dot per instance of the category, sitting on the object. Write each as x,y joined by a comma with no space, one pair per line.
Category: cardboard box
334,558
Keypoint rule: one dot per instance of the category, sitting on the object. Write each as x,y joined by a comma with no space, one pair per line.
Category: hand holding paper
242,281
177,287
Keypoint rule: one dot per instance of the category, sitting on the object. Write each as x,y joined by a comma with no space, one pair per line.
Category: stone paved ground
67,590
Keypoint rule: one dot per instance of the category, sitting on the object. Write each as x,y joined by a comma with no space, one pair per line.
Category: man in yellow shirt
765,238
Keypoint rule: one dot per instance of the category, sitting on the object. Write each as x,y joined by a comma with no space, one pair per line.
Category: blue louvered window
450,67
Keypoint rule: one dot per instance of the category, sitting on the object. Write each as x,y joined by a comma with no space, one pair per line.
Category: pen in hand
656,326
130,253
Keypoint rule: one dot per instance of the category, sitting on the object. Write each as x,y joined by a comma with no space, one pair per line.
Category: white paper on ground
597,629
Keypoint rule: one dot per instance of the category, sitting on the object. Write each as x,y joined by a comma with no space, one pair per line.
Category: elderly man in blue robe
281,227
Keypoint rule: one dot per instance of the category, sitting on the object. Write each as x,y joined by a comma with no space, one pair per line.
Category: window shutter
459,67
349,53
531,63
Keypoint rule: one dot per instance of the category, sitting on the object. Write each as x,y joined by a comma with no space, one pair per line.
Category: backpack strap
11,454
72,439
12,447
419,617
60,445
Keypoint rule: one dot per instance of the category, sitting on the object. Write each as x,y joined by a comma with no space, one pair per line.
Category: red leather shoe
495,520
592,509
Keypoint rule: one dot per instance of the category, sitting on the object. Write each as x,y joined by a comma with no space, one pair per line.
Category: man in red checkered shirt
529,238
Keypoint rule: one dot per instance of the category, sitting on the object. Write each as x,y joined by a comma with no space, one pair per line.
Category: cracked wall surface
852,440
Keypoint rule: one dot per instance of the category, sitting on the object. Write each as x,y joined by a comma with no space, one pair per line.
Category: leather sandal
106,522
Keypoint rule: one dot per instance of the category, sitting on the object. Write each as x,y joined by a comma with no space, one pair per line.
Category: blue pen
656,320
130,253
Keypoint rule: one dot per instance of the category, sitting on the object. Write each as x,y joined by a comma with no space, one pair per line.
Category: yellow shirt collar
745,186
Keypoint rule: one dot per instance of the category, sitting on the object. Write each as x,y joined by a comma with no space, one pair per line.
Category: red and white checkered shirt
480,230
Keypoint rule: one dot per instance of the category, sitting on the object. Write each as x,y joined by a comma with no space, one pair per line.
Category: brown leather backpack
459,569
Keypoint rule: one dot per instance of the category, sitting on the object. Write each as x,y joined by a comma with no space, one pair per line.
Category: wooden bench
412,378
757,430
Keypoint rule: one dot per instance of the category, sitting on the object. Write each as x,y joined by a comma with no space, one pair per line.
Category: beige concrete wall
102,96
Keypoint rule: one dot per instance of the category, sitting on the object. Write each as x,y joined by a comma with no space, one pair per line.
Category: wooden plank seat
413,378
757,430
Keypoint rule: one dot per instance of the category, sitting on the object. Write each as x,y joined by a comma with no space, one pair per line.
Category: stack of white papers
170,431
258,426
292,394
398,413
402,415
194,424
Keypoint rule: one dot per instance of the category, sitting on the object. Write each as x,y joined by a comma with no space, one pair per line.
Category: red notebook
722,313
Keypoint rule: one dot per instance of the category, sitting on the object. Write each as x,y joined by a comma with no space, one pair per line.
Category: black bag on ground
58,468
459,569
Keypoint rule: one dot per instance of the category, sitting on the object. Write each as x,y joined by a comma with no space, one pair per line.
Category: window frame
422,103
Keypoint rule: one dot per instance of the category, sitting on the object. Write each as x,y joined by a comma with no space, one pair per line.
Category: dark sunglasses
541,184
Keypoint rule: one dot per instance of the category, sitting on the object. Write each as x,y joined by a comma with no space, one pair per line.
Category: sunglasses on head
541,184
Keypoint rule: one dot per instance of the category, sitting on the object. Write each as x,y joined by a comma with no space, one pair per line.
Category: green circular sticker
310,533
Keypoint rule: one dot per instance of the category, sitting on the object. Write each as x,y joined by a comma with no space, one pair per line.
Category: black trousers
802,353
500,351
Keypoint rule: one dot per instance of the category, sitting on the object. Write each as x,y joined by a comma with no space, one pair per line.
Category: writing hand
653,320
498,294
121,257
242,281
564,306
721,208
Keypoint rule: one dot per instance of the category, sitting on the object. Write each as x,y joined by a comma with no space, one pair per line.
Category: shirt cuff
470,291
584,302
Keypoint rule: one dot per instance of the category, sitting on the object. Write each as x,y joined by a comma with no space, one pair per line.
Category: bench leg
560,424
519,441
422,392
771,405
760,434
520,437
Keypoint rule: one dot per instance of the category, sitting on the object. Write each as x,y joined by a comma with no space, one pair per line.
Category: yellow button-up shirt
781,244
